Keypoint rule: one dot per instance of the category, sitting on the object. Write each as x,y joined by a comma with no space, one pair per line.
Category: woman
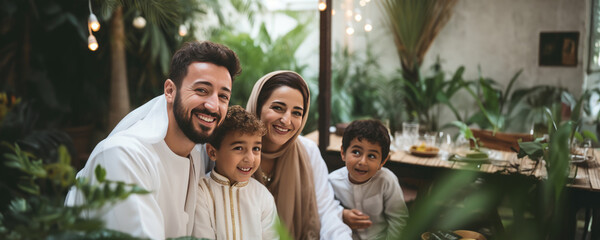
291,166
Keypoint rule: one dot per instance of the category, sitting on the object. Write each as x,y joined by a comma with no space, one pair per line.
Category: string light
139,22
92,43
322,5
349,13
357,15
368,26
183,30
93,20
362,3
332,12
93,25
349,29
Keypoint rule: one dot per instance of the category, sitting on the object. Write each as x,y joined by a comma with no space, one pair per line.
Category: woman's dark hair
288,79
371,130
206,51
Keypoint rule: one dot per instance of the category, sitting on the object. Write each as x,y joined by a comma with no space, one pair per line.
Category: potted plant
495,108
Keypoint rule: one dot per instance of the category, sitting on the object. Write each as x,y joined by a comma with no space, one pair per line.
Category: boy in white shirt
230,203
364,187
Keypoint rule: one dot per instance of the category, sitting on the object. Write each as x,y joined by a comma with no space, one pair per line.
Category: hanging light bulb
349,29
139,22
183,30
357,15
92,43
93,22
322,5
368,27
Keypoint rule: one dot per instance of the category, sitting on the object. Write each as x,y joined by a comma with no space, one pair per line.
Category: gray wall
501,36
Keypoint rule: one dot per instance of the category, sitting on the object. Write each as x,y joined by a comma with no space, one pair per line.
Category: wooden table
588,178
583,192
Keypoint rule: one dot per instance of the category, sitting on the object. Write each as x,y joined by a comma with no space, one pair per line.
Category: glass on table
410,133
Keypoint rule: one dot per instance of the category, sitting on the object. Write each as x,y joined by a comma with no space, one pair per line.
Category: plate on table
471,158
576,158
458,234
424,151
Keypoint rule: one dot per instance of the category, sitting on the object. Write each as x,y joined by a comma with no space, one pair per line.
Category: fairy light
183,30
332,12
93,20
322,5
139,22
349,29
349,13
368,27
92,43
357,15
93,25
362,3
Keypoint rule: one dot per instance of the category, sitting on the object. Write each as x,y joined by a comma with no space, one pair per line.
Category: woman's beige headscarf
293,183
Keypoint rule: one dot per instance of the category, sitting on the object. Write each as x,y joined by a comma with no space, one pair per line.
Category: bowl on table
424,151
463,234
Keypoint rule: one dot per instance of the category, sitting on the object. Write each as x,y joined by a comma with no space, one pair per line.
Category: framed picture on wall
558,48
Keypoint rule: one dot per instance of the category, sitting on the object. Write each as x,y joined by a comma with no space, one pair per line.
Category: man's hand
355,219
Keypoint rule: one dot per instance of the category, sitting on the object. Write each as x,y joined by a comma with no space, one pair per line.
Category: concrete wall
500,36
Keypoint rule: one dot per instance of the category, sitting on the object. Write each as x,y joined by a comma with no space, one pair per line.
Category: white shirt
136,153
330,211
243,210
380,198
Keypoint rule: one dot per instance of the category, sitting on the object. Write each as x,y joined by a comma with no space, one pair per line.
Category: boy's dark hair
240,121
370,130
206,51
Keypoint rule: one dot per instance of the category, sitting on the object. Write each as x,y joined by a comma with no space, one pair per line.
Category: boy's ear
342,153
385,160
212,152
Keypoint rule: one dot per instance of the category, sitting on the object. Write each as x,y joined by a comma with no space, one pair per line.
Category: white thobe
242,210
330,211
380,198
137,154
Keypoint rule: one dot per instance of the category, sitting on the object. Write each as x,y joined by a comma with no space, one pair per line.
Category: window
594,63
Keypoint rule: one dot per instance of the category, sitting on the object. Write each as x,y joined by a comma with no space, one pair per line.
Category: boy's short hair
237,120
371,130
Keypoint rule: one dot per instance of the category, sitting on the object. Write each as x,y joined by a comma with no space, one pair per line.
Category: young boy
368,190
230,203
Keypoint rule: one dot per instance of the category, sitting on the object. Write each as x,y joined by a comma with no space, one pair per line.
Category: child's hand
355,219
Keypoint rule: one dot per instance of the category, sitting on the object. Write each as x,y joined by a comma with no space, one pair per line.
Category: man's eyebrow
226,89
209,84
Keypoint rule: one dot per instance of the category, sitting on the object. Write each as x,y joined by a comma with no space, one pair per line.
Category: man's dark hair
371,130
238,120
206,51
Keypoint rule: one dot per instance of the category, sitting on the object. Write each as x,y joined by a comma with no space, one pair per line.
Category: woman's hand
355,219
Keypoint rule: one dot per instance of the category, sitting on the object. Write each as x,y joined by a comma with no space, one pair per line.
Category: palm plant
262,54
493,102
423,96
414,24
157,43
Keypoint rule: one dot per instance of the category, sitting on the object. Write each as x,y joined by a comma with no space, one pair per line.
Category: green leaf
100,173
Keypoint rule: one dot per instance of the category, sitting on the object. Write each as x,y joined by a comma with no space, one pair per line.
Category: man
156,146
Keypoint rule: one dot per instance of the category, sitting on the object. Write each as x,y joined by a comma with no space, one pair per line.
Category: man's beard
187,126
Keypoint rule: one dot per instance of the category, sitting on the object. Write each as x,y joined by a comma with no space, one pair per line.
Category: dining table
583,185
